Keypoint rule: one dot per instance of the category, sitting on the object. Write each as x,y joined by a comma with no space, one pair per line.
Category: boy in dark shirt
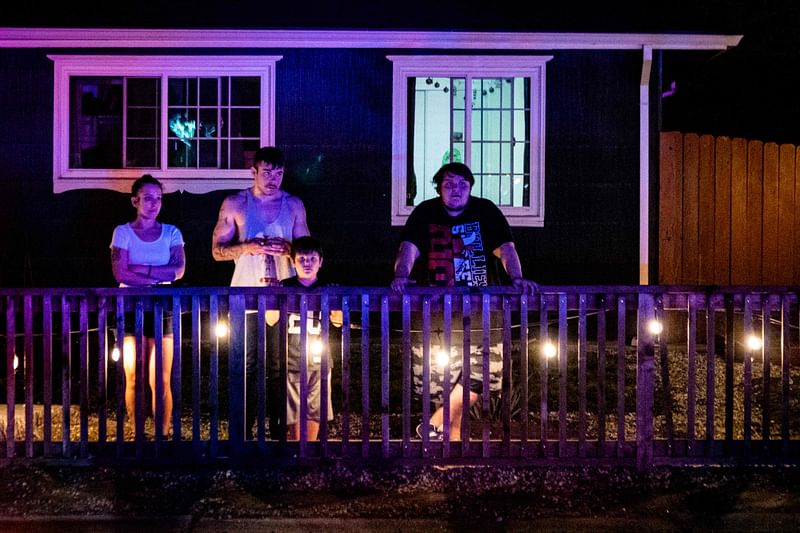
306,256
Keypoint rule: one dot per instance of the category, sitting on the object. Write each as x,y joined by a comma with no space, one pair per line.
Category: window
193,122
485,111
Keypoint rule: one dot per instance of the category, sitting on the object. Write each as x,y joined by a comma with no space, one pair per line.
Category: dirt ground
505,498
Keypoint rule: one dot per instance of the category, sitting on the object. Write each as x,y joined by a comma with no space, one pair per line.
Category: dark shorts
148,326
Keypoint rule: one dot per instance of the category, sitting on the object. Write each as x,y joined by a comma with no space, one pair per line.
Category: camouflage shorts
456,362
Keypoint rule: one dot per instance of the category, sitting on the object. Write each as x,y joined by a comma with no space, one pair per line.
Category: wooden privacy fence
729,211
574,387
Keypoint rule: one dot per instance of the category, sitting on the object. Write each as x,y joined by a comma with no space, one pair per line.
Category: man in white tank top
258,222
255,229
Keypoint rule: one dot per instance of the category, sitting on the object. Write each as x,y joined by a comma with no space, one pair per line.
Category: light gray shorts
313,391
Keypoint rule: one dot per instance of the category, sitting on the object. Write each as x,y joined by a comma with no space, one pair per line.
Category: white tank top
249,269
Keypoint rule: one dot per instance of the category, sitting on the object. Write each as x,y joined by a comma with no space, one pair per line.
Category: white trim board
448,40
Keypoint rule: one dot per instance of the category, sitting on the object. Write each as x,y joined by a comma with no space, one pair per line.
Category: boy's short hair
305,245
270,155
459,169
146,179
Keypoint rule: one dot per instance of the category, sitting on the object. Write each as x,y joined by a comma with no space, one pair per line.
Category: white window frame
484,66
195,180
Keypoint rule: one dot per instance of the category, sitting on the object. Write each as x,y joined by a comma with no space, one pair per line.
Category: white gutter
644,167
450,40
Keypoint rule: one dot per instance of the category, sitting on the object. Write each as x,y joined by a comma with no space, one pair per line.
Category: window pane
183,123
182,92
500,143
436,131
223,123
224,86
505,126
142,123
490,187
522,171
477,125
486,122
96,106
223,154
491,91
490,126
142,153
182,153
245,91
209,91
506,166
505,190
457,154
245,123
242,153
212,115
459,91
208,123
142,92
208,154
175,117
490,158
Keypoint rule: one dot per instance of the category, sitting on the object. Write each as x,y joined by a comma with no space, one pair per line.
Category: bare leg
312,431
129,364
166,375
456,403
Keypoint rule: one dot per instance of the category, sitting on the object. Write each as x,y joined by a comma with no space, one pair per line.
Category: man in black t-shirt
459,240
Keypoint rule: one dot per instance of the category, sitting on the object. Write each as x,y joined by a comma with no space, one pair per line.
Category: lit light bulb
655,327
221,329
16,361
442,358
115,354
754,342
316,347
549,349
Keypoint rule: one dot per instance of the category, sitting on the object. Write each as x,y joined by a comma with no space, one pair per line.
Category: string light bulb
754,342
221,329
316,347
442,358
655,327
549,349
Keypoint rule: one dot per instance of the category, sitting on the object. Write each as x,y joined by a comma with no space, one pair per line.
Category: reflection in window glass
212,124
100,106
96,108
497,127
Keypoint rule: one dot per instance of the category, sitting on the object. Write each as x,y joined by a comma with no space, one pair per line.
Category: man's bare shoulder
235,201
294,202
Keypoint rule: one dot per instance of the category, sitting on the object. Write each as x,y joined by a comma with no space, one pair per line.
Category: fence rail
571,375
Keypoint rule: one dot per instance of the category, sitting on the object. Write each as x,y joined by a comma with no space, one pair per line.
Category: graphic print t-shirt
313,329
457,250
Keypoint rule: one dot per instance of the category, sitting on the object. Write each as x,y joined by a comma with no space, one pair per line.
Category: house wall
334,123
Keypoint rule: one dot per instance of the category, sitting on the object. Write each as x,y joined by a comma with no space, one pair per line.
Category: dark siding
334,123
